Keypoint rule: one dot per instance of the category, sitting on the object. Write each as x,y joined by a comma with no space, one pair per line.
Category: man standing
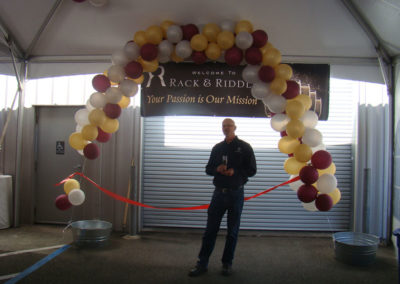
231,162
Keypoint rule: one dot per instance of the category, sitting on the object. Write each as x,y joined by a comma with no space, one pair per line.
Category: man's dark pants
223,200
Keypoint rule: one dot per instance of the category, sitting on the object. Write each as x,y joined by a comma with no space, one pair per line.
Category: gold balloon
89,132
211,32
225,39
110,125
295,128
305,100
278,86
243,26
292,166
302,153
294,109
124,102
175,57
266,47
97,117
76,141
154,34
140,38
70,185
137,80
329,170
288,144
148,66
272,57
336,195
199,42
165,25
284,71
213,51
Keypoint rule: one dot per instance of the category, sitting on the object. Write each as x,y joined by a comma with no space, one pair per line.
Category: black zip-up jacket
240,157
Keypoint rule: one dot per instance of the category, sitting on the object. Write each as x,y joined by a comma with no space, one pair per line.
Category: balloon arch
235,44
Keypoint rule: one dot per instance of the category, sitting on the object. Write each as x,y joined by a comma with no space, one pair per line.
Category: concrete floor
166,256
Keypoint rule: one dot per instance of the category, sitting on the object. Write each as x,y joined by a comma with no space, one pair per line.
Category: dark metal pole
132,209
397,234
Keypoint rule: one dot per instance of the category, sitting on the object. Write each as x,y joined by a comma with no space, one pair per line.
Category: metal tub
91,233
355,248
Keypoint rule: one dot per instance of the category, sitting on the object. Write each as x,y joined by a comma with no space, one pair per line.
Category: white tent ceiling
68,31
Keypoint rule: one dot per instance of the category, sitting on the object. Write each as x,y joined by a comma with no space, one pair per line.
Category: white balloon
326,183
310,206
164,59
296,184
76,196
132,50
309,119
244,40
260,90
89,106
78,128
174,34
165,48
98,3
276,103
279,122
183,49
312,137
318,147
119,58
128,88
228,25
98,100
116,73
81,117
250,74
80,152
113,95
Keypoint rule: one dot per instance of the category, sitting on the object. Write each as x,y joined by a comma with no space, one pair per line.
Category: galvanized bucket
355,248
91,233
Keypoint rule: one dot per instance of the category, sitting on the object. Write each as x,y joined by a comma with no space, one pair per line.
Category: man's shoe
226,270
197,271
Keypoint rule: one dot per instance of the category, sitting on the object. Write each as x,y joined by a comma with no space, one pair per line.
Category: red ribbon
127,200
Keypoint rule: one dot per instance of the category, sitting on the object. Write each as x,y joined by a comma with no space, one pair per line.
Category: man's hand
223,170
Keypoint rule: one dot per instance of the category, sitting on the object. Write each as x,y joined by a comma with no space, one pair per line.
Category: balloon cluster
236,44
95,3
73,195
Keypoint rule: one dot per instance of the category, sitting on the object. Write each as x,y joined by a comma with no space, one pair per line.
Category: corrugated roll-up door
176,150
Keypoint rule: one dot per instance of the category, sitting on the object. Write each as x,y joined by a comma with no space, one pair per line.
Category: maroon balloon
292,91
62,202
91,151
149,51
233,56
253,55
103,136
324,202
199,57
321,159
266,74
308,174
260,38
283,133
101,83
307,193
133,69
112,110
189,31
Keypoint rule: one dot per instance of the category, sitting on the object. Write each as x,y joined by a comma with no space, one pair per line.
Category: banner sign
217,89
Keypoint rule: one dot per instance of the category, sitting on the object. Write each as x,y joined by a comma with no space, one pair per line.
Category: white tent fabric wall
373,162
